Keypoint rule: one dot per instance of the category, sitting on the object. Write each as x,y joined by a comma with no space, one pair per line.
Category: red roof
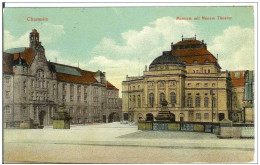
111,86
7,63
188,42
238,79
28,55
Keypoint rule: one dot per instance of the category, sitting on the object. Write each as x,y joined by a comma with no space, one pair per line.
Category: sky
122,40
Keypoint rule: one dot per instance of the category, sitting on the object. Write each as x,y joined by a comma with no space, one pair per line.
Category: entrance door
41,117
104,118
221,116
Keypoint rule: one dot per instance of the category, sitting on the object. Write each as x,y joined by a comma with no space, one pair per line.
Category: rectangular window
198,116
213,84
189,84
71,98
7,80
206,116
7,110
85,97
197,84
206,84
78,98
7,94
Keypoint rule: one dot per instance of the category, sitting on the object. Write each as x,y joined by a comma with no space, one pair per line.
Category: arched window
139,101
71,111
40,73
151,99
162,97
206,102
173,98
214,102
197,102
189,102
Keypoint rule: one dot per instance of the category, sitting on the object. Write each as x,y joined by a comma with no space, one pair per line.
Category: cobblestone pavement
120,143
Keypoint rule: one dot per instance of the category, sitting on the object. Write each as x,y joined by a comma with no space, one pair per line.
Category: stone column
156,94
145,94
167,96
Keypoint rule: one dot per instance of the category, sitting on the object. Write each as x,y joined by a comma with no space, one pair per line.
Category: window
71,98
162,97
139,101
78,98
32,95
161,84
138,86
193,71
197,84
189,102
197,104
7,80
64,98
213,84
7,94
63,86
189,84
24,86
78,88
85,89
7,110
198,116
71,110
134,98
206,116
85,97
151,99
151,84
54,88
214,102
206,102
205,84
208,70
47,85
172,83
195,62
173,98
40,73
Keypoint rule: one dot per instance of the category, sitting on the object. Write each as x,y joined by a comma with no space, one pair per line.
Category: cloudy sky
121,41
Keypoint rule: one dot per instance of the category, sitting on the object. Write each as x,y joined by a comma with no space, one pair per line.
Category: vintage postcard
129,83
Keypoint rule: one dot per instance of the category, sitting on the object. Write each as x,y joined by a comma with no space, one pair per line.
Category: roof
28,55
192,50
111,86
73,74
188,42
167,58
7,63
238,79
82,76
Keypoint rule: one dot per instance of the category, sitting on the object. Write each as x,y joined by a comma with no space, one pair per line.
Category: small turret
34,38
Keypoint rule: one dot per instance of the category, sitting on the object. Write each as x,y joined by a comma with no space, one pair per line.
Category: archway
172,119
140,117
113,117
221,116
149,117
41,117
125,116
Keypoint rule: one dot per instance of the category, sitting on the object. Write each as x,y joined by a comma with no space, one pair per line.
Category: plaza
120,143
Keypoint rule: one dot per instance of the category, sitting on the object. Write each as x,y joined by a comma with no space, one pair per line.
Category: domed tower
166,61
34,38
166,80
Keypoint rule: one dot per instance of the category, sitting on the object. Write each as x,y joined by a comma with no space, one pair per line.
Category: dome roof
167,58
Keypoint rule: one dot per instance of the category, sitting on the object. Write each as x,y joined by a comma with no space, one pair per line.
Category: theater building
34,88
188,77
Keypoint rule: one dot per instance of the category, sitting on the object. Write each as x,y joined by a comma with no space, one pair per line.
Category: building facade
189,78
34,88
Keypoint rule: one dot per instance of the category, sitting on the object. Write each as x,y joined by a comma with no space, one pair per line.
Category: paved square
121,143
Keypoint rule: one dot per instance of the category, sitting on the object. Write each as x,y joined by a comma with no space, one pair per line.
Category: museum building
34,88
190,79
